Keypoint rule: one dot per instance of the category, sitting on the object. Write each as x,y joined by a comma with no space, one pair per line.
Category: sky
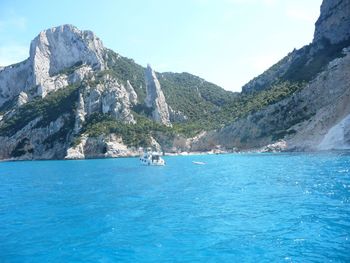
227,42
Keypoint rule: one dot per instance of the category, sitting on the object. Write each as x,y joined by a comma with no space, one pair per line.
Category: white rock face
77,152
15,79
81,73
155,145
62,47
108,97
132,93
275,147
116,148
155,98
22,99
52,51
51,84
102,146
337,138
80,114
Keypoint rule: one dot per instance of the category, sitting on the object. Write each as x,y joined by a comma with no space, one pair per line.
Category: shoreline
248,152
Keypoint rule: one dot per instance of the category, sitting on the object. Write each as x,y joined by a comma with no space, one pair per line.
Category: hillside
74,98
314,114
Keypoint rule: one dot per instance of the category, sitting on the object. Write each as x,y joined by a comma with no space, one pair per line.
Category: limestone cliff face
15,79
334,21
338,137
328,98
51,52
315,118
58,48
100,147
59,58
108,97
155,98
30,142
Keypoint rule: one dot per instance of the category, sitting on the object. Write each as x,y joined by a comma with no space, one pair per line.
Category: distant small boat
199,163
152,158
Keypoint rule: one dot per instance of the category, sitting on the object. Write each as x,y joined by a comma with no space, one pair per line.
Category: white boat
199,163
152,158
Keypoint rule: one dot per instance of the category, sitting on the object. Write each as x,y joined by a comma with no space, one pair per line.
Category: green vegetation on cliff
205,105
239,107
126,69
312,59
301,65
54,105
137,135
193,96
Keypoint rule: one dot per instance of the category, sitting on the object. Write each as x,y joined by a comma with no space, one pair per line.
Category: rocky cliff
74,98
315,117
66,66
155,98
334,21
51,52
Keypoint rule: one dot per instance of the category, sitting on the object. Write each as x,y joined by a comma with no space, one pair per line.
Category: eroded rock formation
155,98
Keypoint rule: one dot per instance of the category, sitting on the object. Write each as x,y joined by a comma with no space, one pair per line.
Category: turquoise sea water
236,208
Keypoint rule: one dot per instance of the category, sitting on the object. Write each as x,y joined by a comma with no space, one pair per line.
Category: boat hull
150,162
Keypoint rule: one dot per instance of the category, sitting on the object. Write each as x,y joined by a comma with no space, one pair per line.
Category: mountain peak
63,46
51,52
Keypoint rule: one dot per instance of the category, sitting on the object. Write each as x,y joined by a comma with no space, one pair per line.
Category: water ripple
247,207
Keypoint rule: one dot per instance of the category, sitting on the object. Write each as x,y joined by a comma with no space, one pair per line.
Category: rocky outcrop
51,52
108,97
14,79
100,147
80,114
314,118
338,137
334,21
308,120
35,142
329,96
22,99
65,57
103,96
176,116
155,98
62,47
131,92
279,146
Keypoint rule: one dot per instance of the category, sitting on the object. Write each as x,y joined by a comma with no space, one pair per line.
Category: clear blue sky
227,42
